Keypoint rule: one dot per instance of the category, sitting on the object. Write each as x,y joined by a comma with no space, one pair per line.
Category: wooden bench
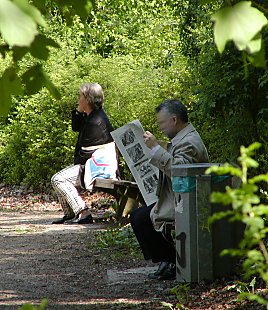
126,193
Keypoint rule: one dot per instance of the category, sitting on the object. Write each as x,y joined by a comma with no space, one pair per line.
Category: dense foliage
249,209
141,52
232,106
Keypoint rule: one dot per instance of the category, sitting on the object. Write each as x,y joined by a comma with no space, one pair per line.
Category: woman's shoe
81,219
63,219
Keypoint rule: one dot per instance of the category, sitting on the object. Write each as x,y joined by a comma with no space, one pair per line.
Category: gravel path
58,262
63,264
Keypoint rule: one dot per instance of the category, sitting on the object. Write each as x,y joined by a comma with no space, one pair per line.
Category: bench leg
130,206
121,203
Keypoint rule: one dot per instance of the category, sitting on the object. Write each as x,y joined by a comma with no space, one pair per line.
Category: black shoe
169,273
159,271
166,271
63,219
87,219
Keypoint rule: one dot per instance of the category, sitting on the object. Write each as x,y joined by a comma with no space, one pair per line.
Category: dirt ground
62,264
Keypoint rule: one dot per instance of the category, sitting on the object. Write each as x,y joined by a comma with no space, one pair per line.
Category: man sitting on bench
148,222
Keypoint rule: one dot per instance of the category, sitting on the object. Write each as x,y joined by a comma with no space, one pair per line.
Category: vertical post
204,234
185,227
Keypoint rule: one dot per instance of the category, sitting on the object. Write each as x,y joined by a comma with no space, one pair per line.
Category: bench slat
111,183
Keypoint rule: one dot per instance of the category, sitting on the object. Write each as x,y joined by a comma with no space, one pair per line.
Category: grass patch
119,241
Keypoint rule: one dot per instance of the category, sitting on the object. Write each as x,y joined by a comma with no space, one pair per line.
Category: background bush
141,52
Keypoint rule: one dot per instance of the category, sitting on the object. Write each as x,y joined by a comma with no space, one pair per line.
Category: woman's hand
82,103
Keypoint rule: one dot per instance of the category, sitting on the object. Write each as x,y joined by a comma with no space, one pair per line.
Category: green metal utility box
199,245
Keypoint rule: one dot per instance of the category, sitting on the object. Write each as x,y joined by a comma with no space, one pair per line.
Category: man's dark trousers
153,244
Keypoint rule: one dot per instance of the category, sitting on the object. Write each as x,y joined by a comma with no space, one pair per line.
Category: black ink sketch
127,137
135,152
143,168
150,183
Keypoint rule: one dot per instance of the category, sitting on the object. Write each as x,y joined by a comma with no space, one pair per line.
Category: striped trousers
65,184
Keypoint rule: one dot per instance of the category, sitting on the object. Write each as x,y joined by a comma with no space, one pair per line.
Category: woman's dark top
94,129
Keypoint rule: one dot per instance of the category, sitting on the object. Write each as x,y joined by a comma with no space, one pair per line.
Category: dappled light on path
59,262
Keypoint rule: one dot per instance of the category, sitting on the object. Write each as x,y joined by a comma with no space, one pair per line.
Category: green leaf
39,47
256,223
240,23
43,304
83,7
253,146
17,27
19,52
258,59
255,255
259,178
31,11
4,49
167,304
35,78
9,85
226,169
261,210
253,297
250,162
254,45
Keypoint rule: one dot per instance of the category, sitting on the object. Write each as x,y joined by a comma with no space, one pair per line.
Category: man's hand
149,139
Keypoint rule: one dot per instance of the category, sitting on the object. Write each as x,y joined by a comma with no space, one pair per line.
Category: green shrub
248,208
38,139
231,105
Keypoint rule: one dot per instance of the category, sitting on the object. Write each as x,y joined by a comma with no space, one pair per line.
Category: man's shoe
87,219
160,270
63,219
169,272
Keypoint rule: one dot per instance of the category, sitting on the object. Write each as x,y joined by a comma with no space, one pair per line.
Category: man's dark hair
174,107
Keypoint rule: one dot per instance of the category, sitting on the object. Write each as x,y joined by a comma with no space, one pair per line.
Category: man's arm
182,154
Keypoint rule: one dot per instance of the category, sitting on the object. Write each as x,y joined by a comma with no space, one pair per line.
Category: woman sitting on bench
94,129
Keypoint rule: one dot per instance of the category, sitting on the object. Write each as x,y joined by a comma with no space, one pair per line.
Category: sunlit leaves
225,169
246,154
31,11
259,178
19,21
18,26
241,24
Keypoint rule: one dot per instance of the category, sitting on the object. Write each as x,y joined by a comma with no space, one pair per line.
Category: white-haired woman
94,128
